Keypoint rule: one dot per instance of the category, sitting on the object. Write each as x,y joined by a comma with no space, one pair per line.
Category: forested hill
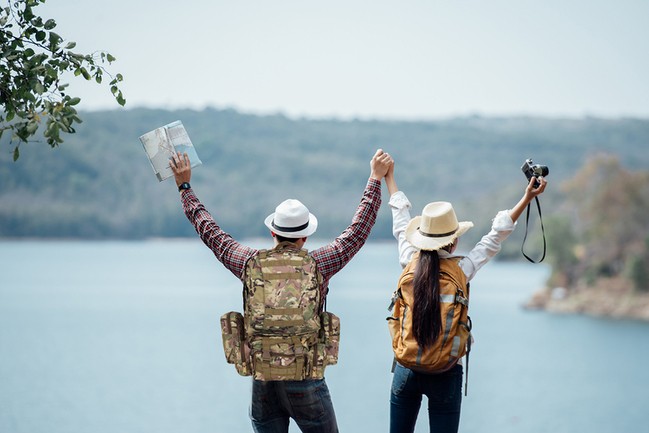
99,184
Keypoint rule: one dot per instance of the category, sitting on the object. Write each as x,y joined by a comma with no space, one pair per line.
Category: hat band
437,235
289,229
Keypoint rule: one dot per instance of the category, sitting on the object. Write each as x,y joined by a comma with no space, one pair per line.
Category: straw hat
292,219
436,227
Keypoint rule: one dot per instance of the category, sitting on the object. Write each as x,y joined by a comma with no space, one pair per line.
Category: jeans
444,392
307,401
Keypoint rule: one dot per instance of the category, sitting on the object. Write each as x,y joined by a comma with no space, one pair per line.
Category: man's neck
298,244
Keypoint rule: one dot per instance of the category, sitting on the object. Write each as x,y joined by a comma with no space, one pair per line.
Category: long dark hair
426,316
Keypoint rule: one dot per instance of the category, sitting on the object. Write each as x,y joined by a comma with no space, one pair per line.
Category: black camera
530,169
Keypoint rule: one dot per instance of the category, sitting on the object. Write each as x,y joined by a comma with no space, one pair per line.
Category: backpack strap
469,325
463,298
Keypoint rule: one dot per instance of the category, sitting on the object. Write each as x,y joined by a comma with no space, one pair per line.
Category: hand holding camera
534,170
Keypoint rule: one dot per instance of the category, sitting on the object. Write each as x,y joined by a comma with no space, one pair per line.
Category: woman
434,237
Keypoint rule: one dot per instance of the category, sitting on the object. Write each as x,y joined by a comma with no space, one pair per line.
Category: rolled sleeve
400,207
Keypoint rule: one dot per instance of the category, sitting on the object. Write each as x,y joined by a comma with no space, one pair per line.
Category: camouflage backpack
454,340
283,333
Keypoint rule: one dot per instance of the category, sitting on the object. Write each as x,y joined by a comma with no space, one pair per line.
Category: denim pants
307,401
444,392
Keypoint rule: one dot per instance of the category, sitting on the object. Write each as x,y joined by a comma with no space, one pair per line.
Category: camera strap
527,221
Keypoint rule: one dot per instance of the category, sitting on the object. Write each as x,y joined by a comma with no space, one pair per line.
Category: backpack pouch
233,333
330,337
281,358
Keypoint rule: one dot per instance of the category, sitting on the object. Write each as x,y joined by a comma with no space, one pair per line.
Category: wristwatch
184,185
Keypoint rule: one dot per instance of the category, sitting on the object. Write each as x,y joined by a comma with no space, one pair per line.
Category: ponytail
426,316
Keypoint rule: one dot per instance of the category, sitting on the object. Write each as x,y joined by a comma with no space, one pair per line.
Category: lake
124,337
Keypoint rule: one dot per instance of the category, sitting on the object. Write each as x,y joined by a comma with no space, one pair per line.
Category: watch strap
184,185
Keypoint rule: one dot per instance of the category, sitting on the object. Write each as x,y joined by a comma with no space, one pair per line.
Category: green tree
609,207
33,61
561,256
638,268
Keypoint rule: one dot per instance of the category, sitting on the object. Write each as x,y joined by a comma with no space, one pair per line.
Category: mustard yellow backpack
454,340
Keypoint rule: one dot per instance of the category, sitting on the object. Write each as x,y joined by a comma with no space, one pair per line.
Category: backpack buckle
396,295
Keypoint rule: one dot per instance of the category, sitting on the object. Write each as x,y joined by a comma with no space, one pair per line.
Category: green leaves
49,24
33,62
82,71
55,41
115,90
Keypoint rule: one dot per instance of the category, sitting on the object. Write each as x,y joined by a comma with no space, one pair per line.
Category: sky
408,59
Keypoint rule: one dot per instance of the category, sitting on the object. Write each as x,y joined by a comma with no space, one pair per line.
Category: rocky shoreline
609,298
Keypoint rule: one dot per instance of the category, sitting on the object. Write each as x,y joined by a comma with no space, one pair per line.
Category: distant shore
609,298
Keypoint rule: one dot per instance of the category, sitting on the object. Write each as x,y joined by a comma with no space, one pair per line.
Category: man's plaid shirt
330,258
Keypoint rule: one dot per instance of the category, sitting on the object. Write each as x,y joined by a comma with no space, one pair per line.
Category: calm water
124,337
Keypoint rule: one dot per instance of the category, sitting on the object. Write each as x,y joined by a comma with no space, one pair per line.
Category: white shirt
502,226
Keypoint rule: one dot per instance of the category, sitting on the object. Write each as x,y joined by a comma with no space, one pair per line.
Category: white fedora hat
436,227
292,219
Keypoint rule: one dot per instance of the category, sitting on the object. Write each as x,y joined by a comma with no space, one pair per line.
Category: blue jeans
307,401
444,392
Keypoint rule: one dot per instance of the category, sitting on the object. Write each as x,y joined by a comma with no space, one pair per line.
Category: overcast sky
408,59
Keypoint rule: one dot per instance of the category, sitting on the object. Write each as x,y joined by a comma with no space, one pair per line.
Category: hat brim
308,231
427,243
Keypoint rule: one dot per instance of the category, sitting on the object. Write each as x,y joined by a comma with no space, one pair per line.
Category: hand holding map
161,144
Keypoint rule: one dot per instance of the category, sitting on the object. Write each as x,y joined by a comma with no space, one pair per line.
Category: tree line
99,183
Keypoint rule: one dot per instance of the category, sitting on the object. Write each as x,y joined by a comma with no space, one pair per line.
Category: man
307,401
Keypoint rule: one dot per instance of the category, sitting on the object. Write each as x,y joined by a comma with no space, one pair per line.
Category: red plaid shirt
330,258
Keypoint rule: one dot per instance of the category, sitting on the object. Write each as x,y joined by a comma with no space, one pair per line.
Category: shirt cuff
374,183
398,200
503,222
